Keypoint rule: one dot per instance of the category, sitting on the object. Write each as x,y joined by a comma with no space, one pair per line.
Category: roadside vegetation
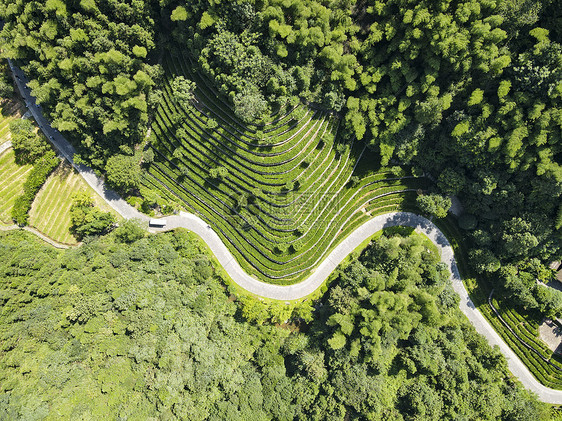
146,329
282,198
467,92
30,195
285,124
52,210
9,111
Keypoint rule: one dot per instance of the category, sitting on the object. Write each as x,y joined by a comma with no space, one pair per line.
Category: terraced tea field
12,177
286,196
50,212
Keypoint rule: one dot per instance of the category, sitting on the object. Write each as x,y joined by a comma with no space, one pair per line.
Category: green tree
250,106
123,172
182,92
434,204
483,260
86,219
129,231
28,145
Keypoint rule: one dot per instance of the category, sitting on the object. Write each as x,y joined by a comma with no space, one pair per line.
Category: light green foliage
182,91
476,97
86,219
13,177
28,145
139,51
146,330
218,172
179,14
37,176
398,292
473,86
123,172
434,204
129,231
250,106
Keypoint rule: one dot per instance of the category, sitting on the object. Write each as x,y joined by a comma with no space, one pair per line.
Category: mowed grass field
50,212
12,177
9,110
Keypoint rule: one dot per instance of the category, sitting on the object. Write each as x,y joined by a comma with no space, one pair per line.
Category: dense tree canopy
123,172
86,219
145,329
88,66
468,91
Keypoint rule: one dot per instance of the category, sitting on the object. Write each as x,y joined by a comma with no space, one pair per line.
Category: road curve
317,278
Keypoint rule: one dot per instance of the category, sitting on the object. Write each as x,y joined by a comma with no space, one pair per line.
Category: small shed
158,223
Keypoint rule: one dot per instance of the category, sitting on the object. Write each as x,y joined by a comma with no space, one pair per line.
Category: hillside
146,329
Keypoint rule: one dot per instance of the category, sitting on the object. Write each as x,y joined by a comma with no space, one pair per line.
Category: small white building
157,223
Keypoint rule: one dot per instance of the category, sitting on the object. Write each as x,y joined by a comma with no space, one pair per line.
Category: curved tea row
286,197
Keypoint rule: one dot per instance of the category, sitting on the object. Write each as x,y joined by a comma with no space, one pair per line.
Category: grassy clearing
50,212
12,177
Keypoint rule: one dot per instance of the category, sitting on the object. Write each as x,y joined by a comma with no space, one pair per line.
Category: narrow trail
5,146
316,279
38,234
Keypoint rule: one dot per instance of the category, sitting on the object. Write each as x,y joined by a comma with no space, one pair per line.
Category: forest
129,326
458,99
467,92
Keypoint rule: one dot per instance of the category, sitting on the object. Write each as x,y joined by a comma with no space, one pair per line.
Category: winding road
317,278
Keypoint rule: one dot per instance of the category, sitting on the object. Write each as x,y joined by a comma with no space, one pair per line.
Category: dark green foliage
86,219
6,83
28,145
36,178
146,330
467,221
468,91
483,260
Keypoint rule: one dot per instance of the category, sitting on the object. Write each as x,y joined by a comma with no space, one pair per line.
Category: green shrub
28,145
130,231
123,172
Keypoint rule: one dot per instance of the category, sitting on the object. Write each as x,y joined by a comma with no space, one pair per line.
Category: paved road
315,280
66,150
